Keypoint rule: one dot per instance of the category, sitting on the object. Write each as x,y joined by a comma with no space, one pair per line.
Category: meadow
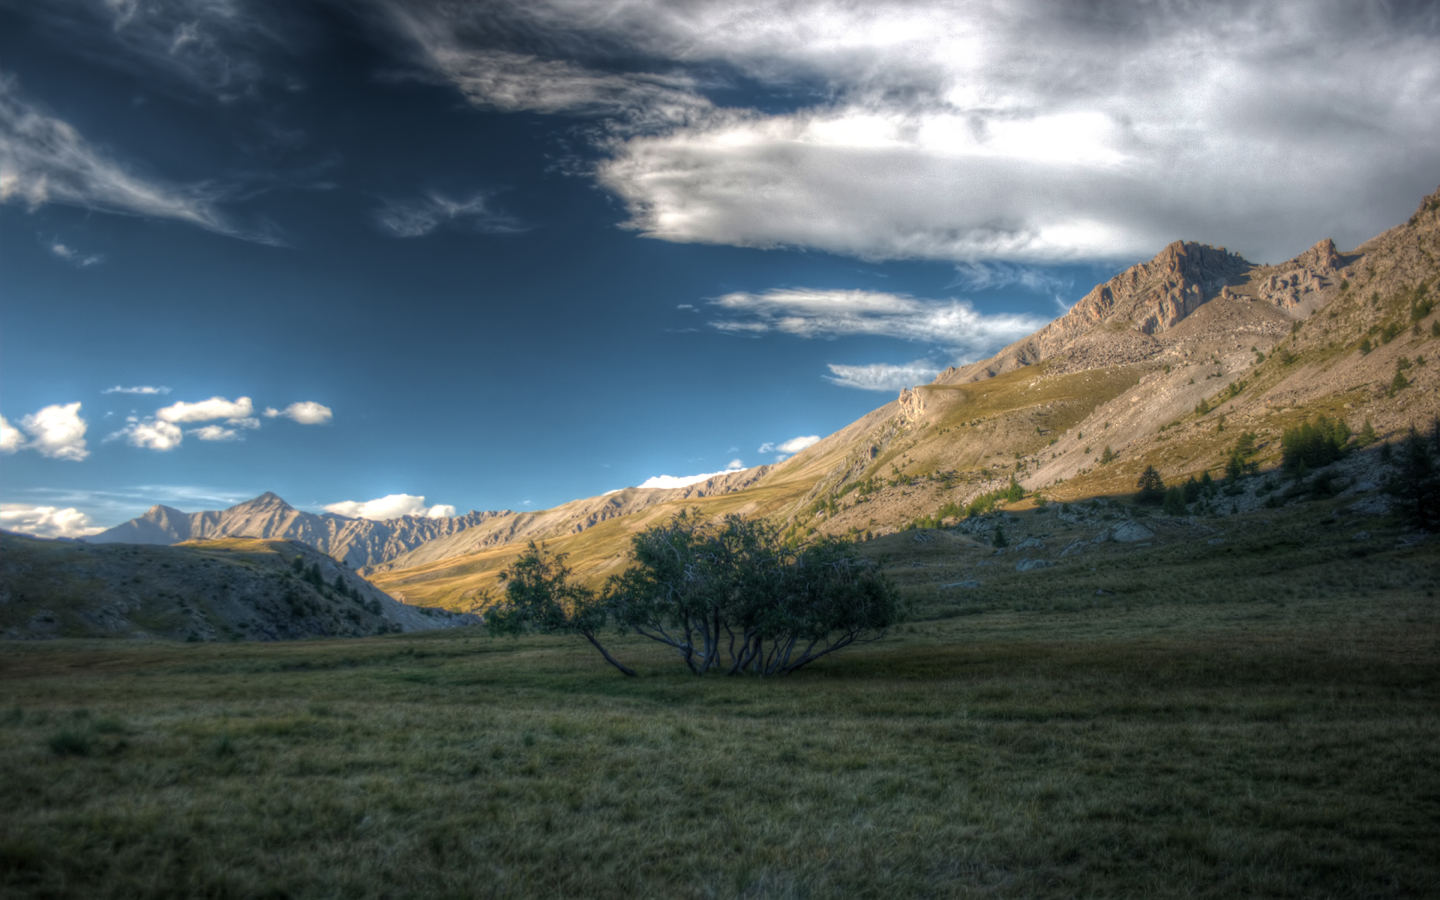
1258,716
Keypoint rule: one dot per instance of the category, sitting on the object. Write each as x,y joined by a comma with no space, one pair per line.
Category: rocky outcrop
1145,299
1290,284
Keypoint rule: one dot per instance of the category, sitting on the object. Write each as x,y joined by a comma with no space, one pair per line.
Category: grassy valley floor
1187,733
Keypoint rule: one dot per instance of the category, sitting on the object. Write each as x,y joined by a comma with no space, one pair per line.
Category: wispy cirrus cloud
75,257
219,48
882,376
819,313
44,159
137,389
420,216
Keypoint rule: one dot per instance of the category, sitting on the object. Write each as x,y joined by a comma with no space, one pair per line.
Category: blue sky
503,255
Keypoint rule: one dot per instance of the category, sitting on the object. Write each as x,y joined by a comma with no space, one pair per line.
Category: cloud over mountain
391,506
46,521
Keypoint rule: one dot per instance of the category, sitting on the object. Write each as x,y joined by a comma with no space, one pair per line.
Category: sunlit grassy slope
1133,721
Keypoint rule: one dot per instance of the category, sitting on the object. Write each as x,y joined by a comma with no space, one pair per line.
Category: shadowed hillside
235,589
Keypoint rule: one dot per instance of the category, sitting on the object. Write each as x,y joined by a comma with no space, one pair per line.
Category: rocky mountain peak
266,502
1144,300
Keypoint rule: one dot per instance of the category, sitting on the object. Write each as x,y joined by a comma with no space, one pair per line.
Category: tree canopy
725,595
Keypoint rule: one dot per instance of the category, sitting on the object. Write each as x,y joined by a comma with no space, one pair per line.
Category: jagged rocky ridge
355,542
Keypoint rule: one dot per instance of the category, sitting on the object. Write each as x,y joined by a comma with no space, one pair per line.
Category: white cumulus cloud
391,506
206,410
11,439
149,433
790,447
215,433
306,412
46,521
677,481
55,431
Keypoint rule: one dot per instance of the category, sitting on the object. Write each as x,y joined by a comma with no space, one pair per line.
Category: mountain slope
356,542
236,589
1166,364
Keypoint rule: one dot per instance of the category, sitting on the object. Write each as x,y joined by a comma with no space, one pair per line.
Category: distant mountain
235,589
355,542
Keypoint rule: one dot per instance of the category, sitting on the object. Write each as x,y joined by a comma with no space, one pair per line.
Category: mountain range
1167,364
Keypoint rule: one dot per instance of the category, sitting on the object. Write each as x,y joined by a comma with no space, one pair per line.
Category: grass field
1188,733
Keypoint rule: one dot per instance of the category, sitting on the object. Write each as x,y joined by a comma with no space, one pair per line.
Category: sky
421,257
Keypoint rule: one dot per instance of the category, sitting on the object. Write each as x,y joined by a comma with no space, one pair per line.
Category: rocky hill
236,589
1167,364
355,542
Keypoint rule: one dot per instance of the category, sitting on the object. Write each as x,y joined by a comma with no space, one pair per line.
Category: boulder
1130,532
1026,565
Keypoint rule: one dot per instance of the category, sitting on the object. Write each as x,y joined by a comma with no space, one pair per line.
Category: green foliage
1191,489
1414,477
313,575
297,565
1421,304
1365,347
1151,485
1398,383
1435,328
539,596
1174,504
1107,456
998,540
1366,437
731,596
1311,445
988,501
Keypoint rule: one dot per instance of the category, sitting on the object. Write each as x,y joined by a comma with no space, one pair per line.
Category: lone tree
725,596
539,596
1152,487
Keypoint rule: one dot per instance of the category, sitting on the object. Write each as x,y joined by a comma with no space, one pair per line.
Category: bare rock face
1309,273
1144,300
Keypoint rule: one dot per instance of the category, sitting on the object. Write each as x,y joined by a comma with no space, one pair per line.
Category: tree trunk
589,636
